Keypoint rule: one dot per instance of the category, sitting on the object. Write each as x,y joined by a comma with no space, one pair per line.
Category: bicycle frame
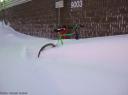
60,39
60,36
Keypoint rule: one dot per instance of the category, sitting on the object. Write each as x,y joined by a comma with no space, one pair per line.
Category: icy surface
94,66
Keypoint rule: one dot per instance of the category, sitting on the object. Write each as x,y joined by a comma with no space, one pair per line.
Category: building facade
40,17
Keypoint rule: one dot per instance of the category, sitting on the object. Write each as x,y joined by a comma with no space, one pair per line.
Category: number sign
76,3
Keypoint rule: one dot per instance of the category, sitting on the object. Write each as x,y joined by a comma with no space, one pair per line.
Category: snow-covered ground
93,66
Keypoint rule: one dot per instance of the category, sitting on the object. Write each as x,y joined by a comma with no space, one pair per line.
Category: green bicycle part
60,40
74,28
71,34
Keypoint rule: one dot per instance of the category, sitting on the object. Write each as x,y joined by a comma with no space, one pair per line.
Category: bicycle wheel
49,45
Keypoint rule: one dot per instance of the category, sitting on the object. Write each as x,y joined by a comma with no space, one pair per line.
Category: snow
93,66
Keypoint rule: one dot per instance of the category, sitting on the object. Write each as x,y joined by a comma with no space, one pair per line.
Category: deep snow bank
94,66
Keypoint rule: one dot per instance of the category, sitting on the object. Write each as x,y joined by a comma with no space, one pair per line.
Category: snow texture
93,66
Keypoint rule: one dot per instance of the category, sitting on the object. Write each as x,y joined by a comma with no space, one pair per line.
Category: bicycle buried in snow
63,32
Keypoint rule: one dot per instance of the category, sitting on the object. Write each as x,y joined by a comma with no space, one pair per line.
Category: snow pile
110,50
94,66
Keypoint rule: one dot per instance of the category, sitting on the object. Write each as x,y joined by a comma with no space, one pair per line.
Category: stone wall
36,18
99,17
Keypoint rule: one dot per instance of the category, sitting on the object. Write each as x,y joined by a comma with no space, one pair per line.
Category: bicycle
62,33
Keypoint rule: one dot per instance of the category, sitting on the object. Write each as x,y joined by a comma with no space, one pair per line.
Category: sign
59,4
76,3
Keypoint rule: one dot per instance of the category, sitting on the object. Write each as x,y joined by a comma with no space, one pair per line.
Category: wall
99,17
36,18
